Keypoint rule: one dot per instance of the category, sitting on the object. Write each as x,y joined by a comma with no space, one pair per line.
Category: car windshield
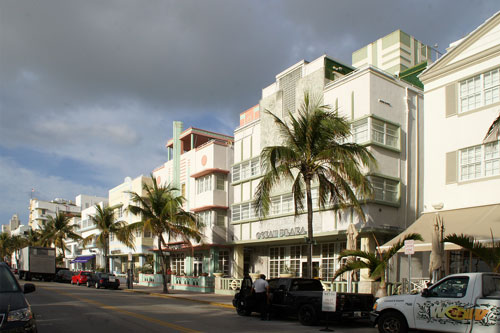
103,275
86,273
7,281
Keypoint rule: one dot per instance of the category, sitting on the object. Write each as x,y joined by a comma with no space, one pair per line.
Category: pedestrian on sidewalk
261,289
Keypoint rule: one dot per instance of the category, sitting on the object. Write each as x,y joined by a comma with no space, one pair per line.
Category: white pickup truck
468,302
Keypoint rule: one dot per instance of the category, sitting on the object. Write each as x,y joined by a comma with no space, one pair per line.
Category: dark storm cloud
99,82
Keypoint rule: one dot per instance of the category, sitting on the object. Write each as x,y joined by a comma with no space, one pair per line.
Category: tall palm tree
490,255
32,237
376,263
315,151
161,213
57,229
17,243
104,220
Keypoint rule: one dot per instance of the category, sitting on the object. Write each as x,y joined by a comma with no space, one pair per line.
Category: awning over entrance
83,259
474,221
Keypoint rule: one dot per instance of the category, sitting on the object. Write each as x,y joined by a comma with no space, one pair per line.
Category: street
67,308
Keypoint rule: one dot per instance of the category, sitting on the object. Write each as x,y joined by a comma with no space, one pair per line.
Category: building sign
279,233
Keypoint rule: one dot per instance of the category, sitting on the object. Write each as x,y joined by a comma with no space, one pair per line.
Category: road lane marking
222,305
125,312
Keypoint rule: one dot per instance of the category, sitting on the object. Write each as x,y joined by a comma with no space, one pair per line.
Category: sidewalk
224,301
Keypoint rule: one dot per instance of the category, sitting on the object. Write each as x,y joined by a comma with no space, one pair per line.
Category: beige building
386,115
461,167
119,200
393,53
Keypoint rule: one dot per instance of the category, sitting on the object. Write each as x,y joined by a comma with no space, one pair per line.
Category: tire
88,284
241,308
392,322
28,277
307,315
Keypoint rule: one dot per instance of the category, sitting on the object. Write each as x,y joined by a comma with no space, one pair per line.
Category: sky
89,89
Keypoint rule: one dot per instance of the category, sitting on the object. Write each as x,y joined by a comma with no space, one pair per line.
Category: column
238,259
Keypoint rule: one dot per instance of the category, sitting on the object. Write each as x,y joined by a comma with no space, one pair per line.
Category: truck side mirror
426,293
29,288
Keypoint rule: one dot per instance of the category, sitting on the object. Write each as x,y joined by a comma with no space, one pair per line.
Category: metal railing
340,286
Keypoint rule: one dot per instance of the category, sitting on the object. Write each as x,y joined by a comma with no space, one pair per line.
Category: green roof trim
411,74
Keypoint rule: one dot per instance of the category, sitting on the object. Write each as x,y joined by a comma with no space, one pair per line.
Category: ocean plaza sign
279,233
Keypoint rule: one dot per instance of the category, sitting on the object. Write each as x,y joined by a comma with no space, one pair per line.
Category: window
295,259
452,288
276,261
204,184
243,211
221,218
327,261
380,131
246,170
119,212
479,161
287,203
360,131
178,263
147,233
479,90
224,262
221,182
385,189
236,173
138,233
183,190
205,217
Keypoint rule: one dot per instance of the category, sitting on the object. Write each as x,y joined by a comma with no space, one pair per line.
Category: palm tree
376,263
17,243
57,229
4,245
104,220
32,237
490,255
315,152
161,213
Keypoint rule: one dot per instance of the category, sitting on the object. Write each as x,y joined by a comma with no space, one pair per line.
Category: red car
80,278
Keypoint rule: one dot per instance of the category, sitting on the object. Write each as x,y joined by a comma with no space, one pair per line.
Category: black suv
105,280
15,311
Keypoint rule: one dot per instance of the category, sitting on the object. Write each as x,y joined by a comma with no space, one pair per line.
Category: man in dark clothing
261,289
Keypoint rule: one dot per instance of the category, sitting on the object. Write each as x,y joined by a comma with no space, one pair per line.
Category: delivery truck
37,262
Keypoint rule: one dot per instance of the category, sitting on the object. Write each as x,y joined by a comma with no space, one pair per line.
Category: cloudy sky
89,89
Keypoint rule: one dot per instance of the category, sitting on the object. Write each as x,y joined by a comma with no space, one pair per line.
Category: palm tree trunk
309,228
107,267
163,264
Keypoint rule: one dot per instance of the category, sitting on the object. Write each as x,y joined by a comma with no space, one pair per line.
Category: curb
222,305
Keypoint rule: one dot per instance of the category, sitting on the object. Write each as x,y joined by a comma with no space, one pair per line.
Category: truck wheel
392,322
88,284
307,315
28,277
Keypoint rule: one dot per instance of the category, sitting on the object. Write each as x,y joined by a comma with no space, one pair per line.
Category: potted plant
218,273
286,272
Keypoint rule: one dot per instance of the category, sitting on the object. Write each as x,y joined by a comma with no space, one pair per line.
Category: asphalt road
66,308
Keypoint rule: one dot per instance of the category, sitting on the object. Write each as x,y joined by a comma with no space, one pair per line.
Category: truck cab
468,302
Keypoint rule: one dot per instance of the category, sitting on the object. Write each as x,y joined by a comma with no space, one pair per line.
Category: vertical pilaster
177,155
238,259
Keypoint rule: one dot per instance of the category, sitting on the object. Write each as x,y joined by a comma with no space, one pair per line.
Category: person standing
261,289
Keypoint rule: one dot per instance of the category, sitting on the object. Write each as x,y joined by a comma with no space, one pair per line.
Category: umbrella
437,252
352,235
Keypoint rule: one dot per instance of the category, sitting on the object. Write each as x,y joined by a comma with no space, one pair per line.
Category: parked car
303,298
467,302
15,311
80,278
104,280
64,276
